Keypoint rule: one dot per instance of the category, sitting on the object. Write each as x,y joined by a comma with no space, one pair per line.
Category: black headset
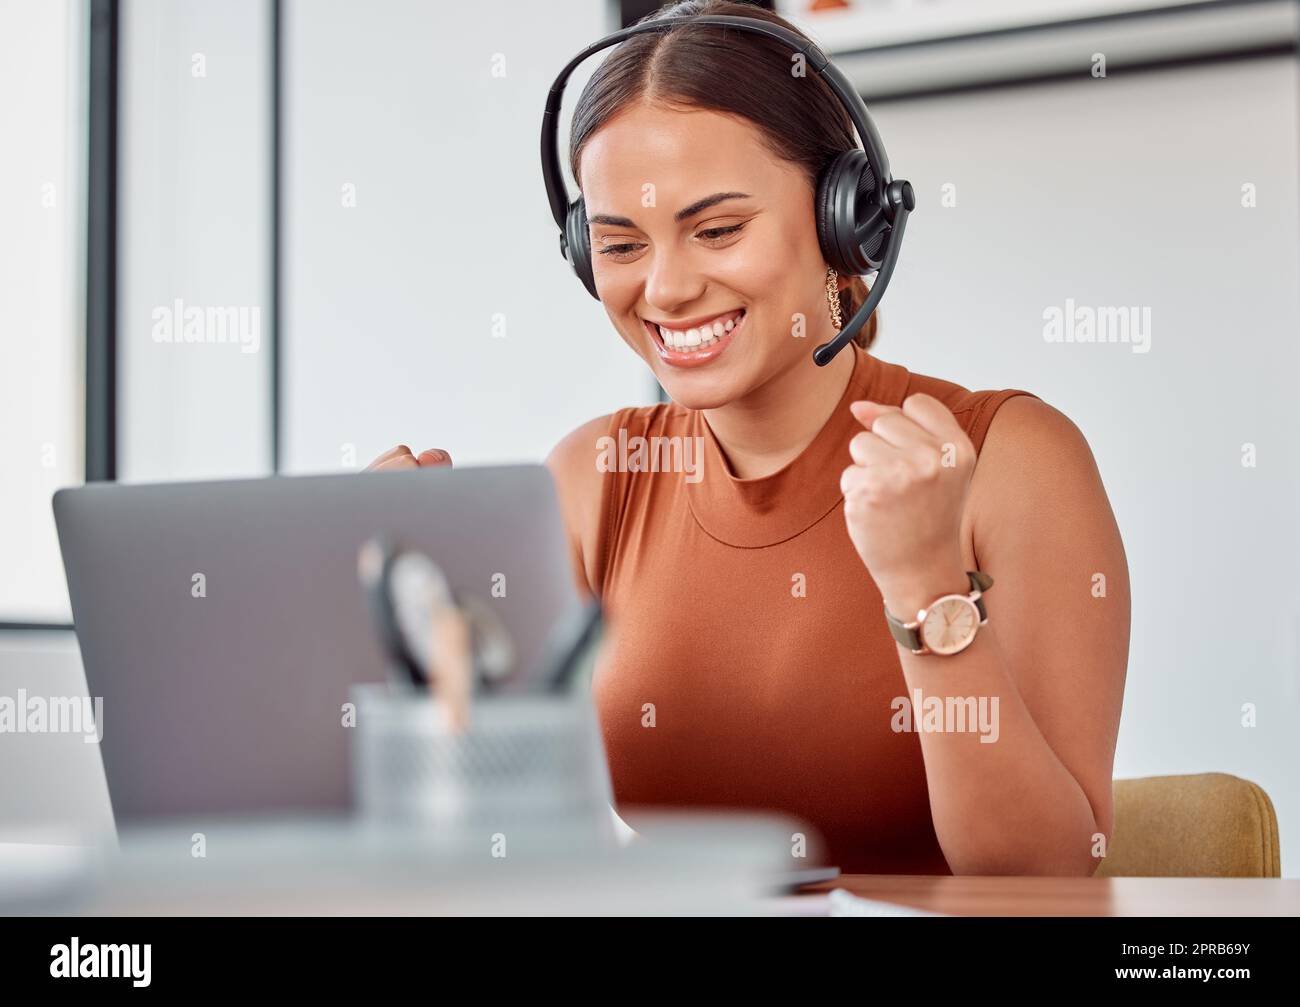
861,209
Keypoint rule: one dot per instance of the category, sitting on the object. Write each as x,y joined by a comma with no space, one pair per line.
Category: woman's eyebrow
703,204
682,214
612,221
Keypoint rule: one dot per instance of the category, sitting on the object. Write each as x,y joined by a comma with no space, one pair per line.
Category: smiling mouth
698,343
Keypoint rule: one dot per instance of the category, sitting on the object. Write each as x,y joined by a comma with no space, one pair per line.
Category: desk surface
333,869
1074,896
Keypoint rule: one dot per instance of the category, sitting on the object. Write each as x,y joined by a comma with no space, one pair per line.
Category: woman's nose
672,283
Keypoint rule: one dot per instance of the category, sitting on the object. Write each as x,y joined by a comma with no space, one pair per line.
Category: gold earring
833,298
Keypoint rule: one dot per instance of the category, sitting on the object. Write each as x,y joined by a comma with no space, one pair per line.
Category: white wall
1127,191
194,224
390,304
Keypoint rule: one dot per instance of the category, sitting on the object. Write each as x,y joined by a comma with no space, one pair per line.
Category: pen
572,649
374,567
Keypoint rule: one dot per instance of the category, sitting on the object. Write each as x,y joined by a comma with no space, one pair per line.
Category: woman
750,662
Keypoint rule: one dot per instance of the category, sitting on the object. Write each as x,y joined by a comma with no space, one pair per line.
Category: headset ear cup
578,240
827,186
847,197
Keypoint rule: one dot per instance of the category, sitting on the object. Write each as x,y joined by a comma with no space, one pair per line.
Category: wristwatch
948,624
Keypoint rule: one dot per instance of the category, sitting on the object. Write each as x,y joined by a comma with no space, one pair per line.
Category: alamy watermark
651,454
181,323
24,714
1106,324
75,960
946,715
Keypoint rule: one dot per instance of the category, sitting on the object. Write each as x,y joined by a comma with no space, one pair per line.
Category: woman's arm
1054,652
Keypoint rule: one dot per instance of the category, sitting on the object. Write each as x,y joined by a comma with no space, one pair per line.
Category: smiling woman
830,558
836,552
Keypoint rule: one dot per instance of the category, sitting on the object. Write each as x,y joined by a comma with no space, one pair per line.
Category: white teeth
698,338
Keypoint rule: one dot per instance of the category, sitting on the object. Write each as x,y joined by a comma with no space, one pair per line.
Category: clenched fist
905,491
400,457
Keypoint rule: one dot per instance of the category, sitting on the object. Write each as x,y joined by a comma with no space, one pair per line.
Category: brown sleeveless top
722,684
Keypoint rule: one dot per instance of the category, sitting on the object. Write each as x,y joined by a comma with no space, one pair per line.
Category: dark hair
741,73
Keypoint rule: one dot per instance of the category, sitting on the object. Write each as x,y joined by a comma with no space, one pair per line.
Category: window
42,305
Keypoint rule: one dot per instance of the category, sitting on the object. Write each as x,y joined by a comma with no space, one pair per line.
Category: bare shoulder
579,487
1040,512
577,443
1033,454
1027,428
1036,478
573,466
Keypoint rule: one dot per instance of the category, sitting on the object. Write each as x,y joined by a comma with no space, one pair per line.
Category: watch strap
981,582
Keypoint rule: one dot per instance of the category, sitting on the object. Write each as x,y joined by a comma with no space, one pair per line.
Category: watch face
950,624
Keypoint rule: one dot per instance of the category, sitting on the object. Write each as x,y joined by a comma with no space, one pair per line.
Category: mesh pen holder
527,760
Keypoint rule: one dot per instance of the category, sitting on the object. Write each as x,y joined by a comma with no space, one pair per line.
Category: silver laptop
223,622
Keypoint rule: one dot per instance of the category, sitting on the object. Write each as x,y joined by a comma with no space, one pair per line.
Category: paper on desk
844,903
40,870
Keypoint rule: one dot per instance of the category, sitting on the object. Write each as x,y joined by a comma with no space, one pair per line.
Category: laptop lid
223,623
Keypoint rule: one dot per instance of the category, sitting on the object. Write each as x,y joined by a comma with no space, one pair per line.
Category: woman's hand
400,457
904,496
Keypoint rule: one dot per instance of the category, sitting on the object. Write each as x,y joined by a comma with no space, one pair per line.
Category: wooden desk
1075,896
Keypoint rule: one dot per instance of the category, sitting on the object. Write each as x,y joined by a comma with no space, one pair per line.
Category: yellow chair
1210,825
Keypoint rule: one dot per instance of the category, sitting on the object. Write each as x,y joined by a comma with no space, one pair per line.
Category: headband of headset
895,198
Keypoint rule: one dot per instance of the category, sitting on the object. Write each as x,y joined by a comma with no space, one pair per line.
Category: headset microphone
861,209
